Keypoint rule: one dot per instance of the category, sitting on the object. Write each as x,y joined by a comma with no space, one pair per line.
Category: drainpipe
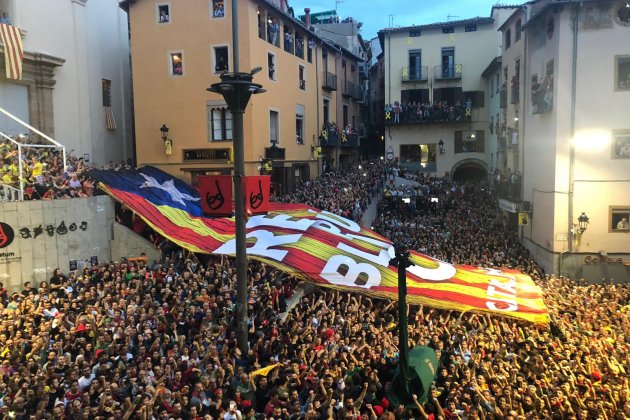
576,20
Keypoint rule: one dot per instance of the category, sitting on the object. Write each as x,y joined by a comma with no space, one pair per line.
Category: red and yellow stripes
13,52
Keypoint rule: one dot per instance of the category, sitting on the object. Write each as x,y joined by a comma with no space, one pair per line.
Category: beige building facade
179,49
436,109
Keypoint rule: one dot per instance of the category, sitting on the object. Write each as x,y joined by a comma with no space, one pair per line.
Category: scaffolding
21,145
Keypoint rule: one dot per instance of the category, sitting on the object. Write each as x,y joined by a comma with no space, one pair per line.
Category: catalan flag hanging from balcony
13,52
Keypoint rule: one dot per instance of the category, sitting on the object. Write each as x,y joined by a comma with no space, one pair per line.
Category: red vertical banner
216,194
256,194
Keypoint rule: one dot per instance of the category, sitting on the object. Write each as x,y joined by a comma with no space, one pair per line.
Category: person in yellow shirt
37,168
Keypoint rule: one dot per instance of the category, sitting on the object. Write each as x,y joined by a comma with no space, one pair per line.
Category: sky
375,14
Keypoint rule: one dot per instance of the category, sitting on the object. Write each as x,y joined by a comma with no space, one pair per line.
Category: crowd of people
43,172
417,112
143,340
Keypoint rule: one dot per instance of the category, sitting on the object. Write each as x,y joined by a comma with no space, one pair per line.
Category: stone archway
470,169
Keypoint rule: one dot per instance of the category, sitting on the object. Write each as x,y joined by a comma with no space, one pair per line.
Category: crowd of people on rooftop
136,339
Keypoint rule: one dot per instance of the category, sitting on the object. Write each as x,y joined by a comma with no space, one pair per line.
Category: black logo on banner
6,235
256,200
215,201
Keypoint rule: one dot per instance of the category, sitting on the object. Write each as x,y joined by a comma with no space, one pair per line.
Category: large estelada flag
13,52
322,247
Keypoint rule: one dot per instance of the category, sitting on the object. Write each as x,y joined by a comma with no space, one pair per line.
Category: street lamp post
402,261
237,88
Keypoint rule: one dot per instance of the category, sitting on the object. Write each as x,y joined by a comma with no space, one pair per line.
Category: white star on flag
169,188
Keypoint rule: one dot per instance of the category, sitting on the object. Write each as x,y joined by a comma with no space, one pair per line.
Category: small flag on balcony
110,122
13,52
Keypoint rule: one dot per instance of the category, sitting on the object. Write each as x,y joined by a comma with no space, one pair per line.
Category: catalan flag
323,248
13,52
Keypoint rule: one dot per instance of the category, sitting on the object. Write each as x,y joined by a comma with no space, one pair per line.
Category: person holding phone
233,413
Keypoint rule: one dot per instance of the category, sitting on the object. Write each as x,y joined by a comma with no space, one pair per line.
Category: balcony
436,113
503,98
329,81
453,72
415,75
350,90
515,95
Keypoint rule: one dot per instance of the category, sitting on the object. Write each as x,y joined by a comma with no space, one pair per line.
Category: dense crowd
135,339
44,174
417,112
344,191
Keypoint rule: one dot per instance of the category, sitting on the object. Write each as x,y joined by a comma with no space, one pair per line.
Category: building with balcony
175,59
435,114
565,71
75,84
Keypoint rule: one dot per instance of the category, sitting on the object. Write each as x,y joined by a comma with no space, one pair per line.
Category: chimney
307,18
283,5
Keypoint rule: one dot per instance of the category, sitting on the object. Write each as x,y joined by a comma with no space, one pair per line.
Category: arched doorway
469,170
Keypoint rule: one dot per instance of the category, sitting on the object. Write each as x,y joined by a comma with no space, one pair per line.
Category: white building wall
92,37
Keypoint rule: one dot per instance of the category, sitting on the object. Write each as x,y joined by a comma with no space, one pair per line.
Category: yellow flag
264,371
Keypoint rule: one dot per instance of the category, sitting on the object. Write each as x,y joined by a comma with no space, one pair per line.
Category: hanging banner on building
256,190
323,248
216,194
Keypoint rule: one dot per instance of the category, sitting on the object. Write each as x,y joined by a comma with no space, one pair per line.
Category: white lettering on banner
502,295
330,272
338,220
264,241
444,271
281,221
381,259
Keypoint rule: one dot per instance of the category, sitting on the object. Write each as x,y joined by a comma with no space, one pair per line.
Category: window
325,60
326,110
448,63
273,28
415,65
476,98
621,144
218,8
299,45
163,13
262,33
309,51
416,33
299,124
518,30
288,39
622,72
274,127
221,63
419,157
498,83
470,141
106,86
301,77
220,120
345,116
470,28
271,63
508,38
414,95
448,30
623,14
619,219
491,124
491,87
176,63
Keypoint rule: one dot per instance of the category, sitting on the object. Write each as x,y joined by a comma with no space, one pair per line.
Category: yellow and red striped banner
326,249
13,52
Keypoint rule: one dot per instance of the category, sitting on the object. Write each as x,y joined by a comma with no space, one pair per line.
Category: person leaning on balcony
623,224
273,28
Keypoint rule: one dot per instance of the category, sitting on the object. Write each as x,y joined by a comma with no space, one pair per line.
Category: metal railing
329,81
452,72
415,74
